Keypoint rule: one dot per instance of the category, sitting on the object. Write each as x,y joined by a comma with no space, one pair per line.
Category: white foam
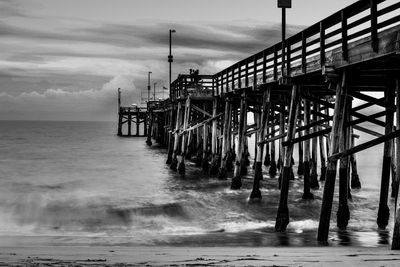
239,226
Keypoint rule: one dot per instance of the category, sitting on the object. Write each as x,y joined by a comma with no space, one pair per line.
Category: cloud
51,64
58,104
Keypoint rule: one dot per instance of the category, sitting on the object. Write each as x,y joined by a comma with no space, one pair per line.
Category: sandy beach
197,256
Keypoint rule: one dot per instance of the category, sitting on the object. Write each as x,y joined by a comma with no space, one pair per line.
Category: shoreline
197,256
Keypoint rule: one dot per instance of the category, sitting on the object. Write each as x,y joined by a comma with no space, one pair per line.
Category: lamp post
284,4
148,86
154,92
170,60
171,139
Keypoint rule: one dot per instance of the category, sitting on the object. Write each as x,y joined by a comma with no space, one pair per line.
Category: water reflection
383,237
345,238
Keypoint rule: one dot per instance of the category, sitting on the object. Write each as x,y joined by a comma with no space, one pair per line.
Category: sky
65,59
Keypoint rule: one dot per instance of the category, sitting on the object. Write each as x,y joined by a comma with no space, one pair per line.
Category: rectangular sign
285,3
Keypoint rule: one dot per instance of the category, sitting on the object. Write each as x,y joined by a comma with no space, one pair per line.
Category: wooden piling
300,166
129,122
236,180
204,162
282,218
322,153
281,149
174,163
256,193
138,123
267,159
215,156
383,210
307,182
170,135
329,187
355,179
150,124
272,167
343,213
222,172
396,228
314,161
181,167
120,116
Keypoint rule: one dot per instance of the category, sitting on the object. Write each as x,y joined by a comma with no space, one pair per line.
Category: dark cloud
15,83
11,8
218,37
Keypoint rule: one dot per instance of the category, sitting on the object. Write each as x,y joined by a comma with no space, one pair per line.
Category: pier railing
307,51
192,84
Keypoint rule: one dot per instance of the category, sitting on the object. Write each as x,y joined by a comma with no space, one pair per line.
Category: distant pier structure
132,115
314,97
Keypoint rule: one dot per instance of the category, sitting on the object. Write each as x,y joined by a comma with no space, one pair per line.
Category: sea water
69,183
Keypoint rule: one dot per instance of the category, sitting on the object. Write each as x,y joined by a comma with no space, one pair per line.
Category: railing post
254,72
303,52
344,35
247,73
322,43
275,63
374,25
226,81
288,52
240,76
214,84
233,78
264,73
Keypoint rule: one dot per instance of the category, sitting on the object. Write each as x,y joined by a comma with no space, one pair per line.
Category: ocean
78,183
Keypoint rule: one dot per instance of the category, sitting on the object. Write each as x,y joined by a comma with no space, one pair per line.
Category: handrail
335,31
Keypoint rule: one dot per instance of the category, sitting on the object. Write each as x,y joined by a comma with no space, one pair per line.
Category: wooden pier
129,115
309,103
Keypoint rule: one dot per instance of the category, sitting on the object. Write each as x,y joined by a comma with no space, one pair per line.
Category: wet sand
197,256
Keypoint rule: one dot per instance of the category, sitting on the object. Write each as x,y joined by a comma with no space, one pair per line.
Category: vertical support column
170,135
236,180
256,193
138,123
129,122
145,121
383,211
257,122
322,153
150,125
222,173
215,157
181,167
329,187
282,218
119,113
355,179
396,228
174,163
204,163
307,182
300,166
374,25
281,132
328,137
343,213
267,159
272,167
314,157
